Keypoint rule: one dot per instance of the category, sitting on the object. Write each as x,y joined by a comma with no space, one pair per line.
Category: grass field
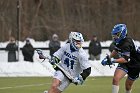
39,84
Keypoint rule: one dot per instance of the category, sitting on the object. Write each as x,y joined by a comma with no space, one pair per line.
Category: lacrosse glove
54,60
108,61
78,80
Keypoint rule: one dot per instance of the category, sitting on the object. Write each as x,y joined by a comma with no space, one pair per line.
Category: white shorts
64,81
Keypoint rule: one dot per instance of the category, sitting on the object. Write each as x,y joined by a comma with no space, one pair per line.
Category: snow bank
22,68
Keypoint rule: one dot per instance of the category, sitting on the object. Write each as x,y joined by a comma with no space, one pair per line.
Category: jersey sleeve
83,59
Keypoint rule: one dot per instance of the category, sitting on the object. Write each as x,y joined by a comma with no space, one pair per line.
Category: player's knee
53,87
116,81
128,86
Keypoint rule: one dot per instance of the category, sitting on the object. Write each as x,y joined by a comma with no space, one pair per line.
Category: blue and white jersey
73,62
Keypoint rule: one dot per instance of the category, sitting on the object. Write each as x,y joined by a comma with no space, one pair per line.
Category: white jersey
74,62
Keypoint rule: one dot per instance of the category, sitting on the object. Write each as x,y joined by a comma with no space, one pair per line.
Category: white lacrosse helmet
76,39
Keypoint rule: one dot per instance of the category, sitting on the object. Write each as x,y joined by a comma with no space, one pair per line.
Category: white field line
21,86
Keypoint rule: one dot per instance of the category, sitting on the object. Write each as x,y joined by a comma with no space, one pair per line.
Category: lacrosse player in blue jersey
129,58
74,60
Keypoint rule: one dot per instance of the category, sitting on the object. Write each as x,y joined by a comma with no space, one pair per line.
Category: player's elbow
86,73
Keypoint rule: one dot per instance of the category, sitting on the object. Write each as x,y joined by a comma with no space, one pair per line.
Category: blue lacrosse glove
78,80
108,61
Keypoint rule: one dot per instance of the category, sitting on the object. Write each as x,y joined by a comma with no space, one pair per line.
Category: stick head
40,53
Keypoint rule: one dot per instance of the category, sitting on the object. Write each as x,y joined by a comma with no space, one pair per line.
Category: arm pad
86,73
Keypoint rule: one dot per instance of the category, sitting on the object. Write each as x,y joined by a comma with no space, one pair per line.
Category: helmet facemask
77,43
117,36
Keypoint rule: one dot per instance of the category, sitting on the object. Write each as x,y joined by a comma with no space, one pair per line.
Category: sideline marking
21,86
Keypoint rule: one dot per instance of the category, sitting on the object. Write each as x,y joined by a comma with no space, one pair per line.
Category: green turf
39,84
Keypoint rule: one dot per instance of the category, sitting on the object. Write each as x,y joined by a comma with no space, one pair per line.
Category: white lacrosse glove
78,80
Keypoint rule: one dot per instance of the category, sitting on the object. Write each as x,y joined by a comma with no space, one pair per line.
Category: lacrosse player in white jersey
74,60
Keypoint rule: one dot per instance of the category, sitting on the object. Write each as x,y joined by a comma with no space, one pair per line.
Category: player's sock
128,91
45,91
115,89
